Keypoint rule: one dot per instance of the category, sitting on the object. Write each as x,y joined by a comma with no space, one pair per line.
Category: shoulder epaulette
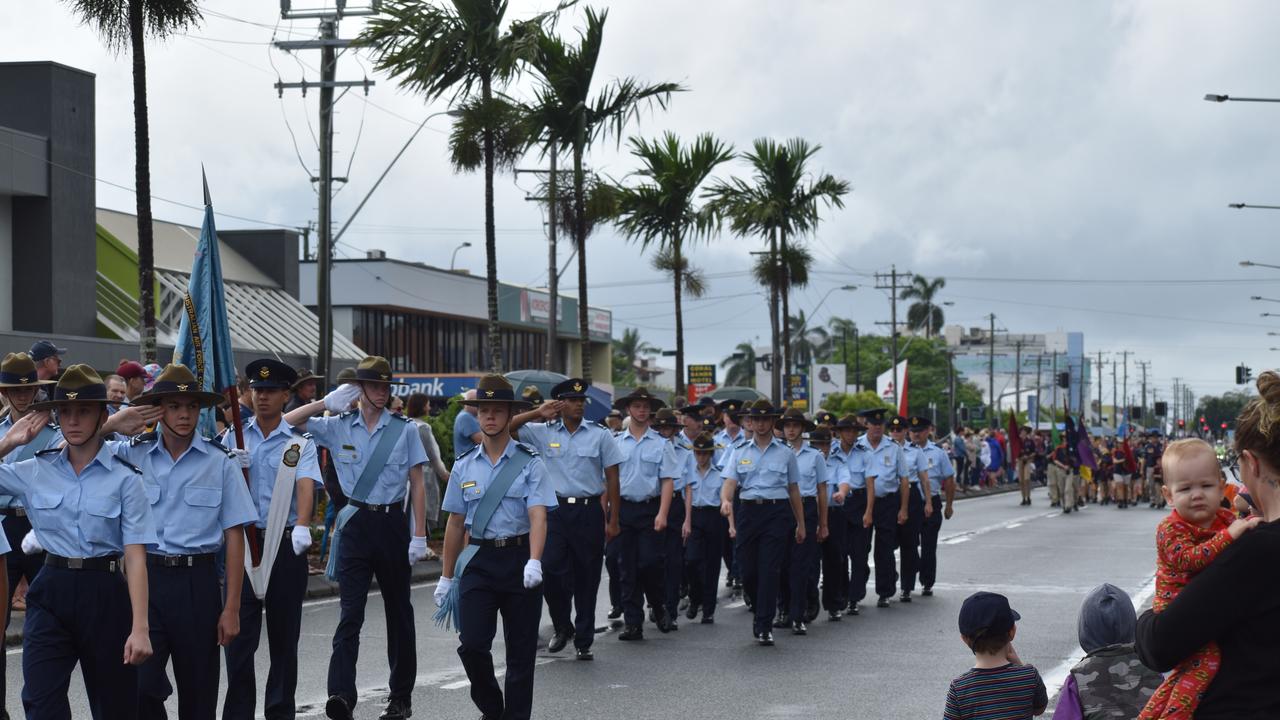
144,438
217,444
401,418
348,413
299,433
600,424
526,448
53,426
127,464
48,451
468,452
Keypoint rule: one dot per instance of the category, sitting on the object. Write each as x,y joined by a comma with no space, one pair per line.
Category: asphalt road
886,663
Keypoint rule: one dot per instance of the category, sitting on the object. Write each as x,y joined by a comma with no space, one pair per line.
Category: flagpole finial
205,180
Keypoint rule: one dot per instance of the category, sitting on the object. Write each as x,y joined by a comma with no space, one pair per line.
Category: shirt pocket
42,510
100,518
202,496
553,450
519,487
775,472
153,492
650,458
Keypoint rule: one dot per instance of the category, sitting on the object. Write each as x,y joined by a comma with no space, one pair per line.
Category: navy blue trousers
859,540
20,565
571,568
764,532
639,559
835,560
77,616
613,564
283,609
673,556
183,609
909,538
929,544
374,545
703,554
885,519
493,585
800,585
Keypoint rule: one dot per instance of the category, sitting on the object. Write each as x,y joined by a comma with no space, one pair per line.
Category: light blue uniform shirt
645,463
55,439
939,466
855,465
350,446
193,499
474,473
706,486
837,473
684,455
813,470
725,445
92,514
764,474
464,426
885,463
916,462
265,455
574,462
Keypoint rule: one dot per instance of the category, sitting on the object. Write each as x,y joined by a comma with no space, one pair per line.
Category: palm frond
161,18
466,140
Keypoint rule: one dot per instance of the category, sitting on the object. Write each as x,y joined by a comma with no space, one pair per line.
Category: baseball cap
130,369
43,350
986,613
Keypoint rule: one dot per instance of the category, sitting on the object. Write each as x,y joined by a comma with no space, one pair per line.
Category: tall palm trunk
553,278
580,237
142,183
775,348
784,271
677,275
491,243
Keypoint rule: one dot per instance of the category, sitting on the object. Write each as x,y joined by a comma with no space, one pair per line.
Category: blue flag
204,337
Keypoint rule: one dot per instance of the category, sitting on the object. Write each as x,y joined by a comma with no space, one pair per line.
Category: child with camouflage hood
1110,682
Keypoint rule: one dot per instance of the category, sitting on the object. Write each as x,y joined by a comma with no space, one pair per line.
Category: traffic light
964,414
1162,409
1135,413
1064,379
1243,375
1182,424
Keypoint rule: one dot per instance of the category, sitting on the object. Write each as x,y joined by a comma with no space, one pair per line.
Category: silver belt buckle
75,563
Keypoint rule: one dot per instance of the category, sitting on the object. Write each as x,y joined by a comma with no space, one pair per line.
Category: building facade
1022,370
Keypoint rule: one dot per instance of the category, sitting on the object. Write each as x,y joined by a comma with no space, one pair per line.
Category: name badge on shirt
468,485
744,461
888,461
553,445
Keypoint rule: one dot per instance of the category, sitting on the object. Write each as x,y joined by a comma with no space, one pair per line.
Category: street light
847,288
454,257
1269,314
1242,206
1228,98
1264,299
1250,263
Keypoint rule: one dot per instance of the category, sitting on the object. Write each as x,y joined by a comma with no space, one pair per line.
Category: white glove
242,457
30,545
532,574
301,538
340,400
417,549
442,590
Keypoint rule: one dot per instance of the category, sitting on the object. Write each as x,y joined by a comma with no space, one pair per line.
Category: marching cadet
646,480
1061,470
707,528
199,503
886,473
918,510
733,435
284,476
1120,474
373,451
19,383
769,477
942,479
858,499
613,421
89,508
800,589
835,549
581,462
678,519
497,498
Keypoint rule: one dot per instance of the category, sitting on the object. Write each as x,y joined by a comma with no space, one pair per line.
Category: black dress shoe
584,654
663,621
906,596
397,710
558,641
708,619
631,632
764,639
854,609
615,612
798,628
811,612
336,708
834,616
882,602
927,592
783,620
692,612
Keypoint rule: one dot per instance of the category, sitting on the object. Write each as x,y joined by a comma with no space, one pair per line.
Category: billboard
433,385
700,380
795,391
825,380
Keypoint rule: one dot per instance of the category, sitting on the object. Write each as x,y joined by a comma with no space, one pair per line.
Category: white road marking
1013,522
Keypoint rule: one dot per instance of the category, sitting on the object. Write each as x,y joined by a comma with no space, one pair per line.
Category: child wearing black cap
999,686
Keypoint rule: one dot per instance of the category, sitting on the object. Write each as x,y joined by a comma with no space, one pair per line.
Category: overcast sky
1054,161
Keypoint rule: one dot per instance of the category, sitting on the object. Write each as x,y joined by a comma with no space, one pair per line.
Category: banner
795,391
887,382
826,380
699,380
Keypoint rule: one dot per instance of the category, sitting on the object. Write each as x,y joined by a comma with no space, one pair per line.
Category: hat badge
577,387
384,376
182,388
488,393
72,395
264,372
24,379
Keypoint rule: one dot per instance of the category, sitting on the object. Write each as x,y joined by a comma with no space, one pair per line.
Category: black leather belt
578,500
806,501
762,501
179,561
377,508
109,563
13,512
516,541
642,502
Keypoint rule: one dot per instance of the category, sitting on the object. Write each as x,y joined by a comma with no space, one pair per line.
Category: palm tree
808,344
127,24
925,313
570,118
631,347
460,49
660,210
741,366
693,278
780,203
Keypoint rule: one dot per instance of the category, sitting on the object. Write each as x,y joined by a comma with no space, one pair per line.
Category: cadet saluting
768,474
373,451
199,501
284,475
581,461
88,508
497,501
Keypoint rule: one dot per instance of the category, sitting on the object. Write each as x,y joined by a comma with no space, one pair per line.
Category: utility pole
951,392
1099,373
991,367
328,44
1053,419
1124,387
1017,377
1143,365
552,359
1039,362
1115,406
892,287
